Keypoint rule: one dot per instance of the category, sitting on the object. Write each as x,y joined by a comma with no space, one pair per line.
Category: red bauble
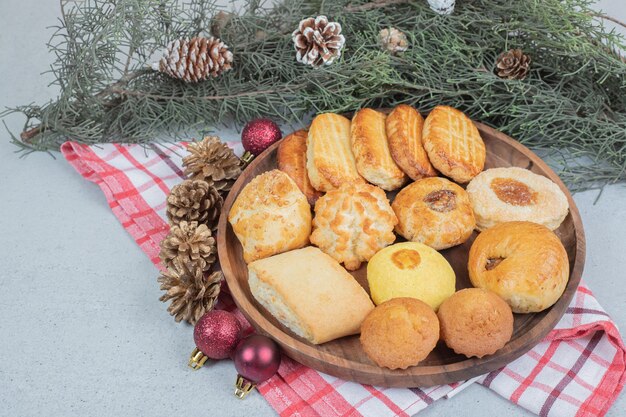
257,358
259,134
217,333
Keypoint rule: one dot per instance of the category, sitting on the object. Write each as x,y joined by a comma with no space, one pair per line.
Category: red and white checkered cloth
577,370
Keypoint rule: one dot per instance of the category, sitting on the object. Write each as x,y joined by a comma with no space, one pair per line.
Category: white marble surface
81,329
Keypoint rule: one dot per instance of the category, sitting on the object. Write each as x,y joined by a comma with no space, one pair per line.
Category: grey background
81,329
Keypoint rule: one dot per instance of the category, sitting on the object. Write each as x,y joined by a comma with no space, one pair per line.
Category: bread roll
329,159
270,216
310,293
453,144
523,262
371,151
291,158
404,135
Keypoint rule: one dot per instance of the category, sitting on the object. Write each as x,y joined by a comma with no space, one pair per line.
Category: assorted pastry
328,204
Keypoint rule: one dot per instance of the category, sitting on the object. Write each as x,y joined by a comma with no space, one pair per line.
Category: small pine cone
214,162
194,200
513,65
188,243
393,41
318,41
195,59
191,292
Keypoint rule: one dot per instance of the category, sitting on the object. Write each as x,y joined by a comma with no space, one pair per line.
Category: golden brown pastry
352,223
329,158
404,135
270,216
310,293
508,194
371,151
453,144
475,322
523,262
434,211
400,333
292,161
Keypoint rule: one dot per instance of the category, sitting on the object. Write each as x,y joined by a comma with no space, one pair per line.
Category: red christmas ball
259,134
217,333
257,358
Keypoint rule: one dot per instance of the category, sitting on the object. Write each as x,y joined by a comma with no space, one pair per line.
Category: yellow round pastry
410,269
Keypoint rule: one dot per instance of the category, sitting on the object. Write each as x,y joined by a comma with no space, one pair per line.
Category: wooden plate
344,357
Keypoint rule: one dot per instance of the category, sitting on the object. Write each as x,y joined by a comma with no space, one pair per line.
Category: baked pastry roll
453,144
508,194
434,211
292,161
352,223
310,293
329,159
371,151
270,216
400,333
524,263
404,135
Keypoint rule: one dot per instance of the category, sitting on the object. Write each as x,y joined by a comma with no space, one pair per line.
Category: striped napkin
579,369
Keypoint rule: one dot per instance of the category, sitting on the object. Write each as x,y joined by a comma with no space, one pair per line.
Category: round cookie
453,144
516,194
524,263
475,322
352,223
399,333
410,269
434,211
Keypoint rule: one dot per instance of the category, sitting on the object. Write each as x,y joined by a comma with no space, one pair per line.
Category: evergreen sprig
572,106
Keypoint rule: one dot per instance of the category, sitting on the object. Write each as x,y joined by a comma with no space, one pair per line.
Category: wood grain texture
344,357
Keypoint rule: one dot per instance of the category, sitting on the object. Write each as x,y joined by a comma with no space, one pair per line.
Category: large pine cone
213,161
191,292
513,65
318,41
188,243
195,59
194,200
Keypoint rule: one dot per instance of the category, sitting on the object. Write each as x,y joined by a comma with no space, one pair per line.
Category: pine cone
513,65
188,243
393,40
195,59
212,161
194,200
191,292
318,41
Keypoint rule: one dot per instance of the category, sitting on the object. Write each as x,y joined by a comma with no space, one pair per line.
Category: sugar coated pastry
400,333
404,135
310,293
352,223
329,158
524,263
371,151
291,158
475,322
508,194
453,144
410,269
270,216
434,211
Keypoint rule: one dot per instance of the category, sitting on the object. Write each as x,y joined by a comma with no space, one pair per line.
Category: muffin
434,211
400,333
524,263
501,195
475,322
410,269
